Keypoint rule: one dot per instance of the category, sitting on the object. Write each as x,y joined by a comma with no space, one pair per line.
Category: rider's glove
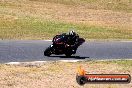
67,45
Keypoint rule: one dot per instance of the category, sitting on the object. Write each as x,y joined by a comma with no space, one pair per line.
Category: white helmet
72,32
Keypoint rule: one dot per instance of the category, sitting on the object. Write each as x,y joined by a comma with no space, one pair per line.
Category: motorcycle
59,46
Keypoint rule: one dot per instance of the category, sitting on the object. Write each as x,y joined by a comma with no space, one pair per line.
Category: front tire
47,52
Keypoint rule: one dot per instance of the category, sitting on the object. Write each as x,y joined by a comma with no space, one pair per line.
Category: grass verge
60,74
116,5
30,28
32,19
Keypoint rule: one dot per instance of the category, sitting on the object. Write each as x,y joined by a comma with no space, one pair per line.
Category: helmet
72,33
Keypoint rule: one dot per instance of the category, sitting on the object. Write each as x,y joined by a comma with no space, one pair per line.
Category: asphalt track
32,50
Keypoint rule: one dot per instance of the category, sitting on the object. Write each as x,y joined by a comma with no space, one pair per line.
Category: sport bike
59,46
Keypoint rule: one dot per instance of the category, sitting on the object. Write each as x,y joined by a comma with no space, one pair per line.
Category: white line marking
70,60
34,61
126,41
26,63
41,62
47,40
109,59
13,63
104,41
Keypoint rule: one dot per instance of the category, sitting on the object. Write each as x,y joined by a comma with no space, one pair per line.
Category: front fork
52,48
51,45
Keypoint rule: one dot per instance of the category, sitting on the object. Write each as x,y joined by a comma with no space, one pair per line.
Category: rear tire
68,54
47,52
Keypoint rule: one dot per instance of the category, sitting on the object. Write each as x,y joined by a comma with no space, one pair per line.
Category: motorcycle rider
65,43
72,40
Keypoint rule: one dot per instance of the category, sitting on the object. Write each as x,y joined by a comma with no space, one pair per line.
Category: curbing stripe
41,62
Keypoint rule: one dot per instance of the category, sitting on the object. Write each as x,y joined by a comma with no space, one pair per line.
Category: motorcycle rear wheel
68,54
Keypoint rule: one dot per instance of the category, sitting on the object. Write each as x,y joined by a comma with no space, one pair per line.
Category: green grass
27,20
125,63
30,28
116,5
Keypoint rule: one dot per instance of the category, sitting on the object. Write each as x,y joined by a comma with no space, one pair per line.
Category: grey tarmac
32,50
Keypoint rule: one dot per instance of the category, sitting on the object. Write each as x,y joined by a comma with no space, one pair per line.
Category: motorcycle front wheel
48,52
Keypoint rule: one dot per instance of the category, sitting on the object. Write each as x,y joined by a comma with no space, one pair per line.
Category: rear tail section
81,41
